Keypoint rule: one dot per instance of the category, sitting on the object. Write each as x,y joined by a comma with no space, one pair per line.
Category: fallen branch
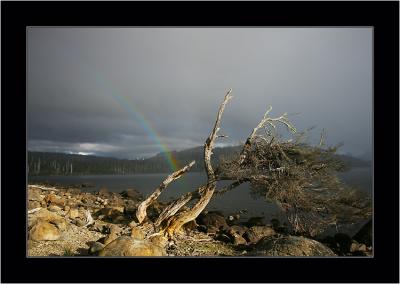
34,210
174,207
43,187
89,219
141,211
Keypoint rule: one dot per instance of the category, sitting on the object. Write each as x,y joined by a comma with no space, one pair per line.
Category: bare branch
209,145
174,207
175,222
266,120
141,211
42,187
230,187
34,210
322,138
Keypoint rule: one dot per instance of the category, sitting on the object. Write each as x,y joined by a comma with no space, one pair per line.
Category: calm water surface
231,202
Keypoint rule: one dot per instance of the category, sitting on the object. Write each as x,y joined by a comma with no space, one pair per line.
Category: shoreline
211,234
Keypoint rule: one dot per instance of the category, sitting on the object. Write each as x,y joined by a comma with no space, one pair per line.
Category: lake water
231,202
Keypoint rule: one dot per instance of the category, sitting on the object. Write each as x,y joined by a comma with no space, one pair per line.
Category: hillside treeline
42,163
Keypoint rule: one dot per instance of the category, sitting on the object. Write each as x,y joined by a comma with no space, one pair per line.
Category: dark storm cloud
105,90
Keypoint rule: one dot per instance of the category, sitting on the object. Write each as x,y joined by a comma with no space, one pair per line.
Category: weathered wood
174,207
175,222
265,120
89,218
141,211
42,187
209,145
34,210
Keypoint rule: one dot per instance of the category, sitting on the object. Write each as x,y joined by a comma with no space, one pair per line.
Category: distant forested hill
41,163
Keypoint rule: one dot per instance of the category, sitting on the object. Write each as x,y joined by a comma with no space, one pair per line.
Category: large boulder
137,233
291,246
127,246
255,233
45,215
214,221
44,231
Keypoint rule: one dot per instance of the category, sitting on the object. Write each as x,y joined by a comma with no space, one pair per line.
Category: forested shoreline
46,163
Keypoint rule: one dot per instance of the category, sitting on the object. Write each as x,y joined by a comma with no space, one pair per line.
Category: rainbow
147,127
131,109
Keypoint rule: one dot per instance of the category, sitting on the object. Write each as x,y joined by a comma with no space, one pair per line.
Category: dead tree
296,176
171,219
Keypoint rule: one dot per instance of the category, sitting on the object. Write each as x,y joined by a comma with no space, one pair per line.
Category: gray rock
291,246
240,230
255,233
213,221
95,248
353,247
44,231
127,246
223,238
362,248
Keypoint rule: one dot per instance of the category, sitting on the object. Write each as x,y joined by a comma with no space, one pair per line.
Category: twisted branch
141,211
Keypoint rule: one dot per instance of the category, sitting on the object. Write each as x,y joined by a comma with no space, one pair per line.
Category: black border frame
383,16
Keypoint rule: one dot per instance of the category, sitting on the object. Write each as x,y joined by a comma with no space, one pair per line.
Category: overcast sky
133,92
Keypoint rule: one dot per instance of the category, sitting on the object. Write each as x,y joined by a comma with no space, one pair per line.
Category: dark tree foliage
299,177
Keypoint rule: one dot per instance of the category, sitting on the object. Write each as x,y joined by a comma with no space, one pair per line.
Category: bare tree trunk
175,222
174,207
141,211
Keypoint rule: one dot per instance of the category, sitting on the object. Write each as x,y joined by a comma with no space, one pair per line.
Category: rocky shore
64,221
